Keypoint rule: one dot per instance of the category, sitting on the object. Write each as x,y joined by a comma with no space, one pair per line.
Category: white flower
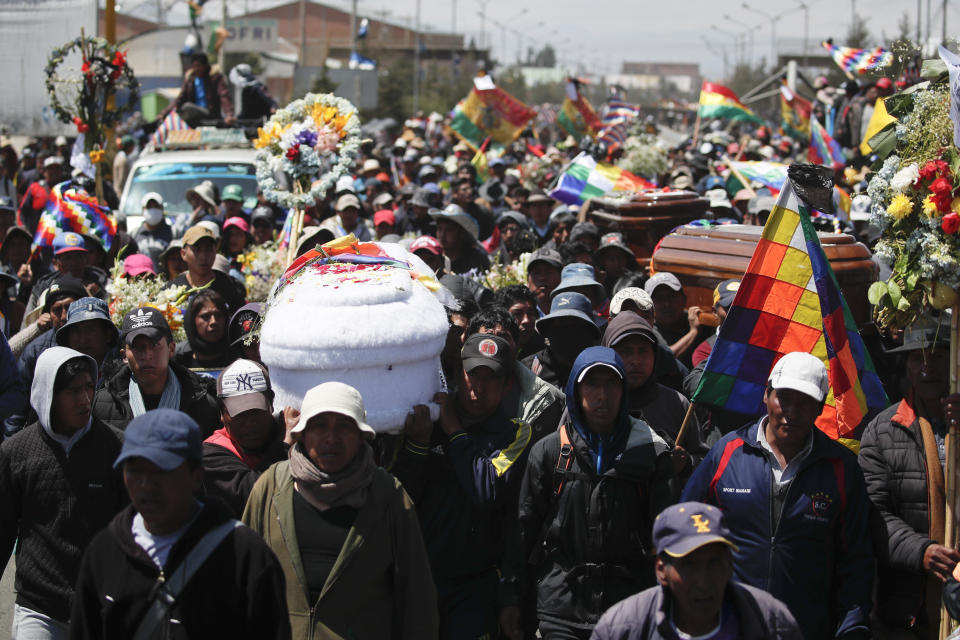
905,178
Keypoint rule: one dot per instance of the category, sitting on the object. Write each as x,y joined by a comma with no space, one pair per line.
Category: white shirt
785,475
158,547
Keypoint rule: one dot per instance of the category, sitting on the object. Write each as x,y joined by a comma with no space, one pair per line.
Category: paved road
6,601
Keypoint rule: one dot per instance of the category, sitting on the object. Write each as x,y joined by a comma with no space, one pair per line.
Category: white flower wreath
296,140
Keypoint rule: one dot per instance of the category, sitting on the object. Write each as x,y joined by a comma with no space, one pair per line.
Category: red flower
293,153
81,126
85,68
942,191
950,223
931,170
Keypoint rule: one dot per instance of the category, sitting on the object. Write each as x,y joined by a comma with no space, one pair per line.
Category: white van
172,173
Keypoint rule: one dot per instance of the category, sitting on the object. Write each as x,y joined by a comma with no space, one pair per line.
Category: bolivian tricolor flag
489,111
577,116
716,101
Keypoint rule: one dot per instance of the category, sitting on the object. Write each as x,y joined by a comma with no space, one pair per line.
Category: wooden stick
683,425
696,129
739,176
952,461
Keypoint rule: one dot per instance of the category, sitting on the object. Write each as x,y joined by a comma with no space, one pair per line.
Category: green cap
250,203
232,192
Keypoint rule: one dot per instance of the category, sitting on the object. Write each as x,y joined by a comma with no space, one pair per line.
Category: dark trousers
469,607
550,630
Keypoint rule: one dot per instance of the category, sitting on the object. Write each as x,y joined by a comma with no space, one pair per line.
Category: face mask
152,216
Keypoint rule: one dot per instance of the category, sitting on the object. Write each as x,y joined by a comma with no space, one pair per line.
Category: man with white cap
154,235
696,597
797,505
680,327
251,439
347,220
346,533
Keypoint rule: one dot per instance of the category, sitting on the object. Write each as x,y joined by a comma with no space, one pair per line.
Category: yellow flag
878,122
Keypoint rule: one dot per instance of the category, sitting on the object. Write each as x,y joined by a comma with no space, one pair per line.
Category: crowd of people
153,488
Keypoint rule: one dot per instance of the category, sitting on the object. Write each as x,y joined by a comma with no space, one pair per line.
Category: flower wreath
104,67
298,138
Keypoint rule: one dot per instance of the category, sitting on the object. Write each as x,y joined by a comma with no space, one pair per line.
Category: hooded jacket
112,403
238,592
817,556
58,493
586,528
660,406
194,344
230,471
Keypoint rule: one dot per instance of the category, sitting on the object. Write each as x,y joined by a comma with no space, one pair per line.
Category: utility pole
222,54
943,37
416,64
919,19
303,33
353,54
806,29
929,22
453,40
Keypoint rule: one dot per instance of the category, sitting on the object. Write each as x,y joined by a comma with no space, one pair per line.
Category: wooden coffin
644,217
702,258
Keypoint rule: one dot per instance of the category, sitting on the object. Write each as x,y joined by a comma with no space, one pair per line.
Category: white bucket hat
335,397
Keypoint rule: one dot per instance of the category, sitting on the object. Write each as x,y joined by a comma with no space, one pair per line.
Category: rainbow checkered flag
789,300
860,61
71,208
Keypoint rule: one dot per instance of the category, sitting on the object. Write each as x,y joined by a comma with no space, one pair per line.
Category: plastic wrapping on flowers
129,294
261,267
913,203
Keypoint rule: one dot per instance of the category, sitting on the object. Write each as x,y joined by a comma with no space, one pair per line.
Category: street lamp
723,53
773,31
733,37
806,24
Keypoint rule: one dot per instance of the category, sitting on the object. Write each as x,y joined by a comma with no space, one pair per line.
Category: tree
857,35
547,57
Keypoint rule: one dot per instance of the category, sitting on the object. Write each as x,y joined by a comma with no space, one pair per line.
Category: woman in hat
171,261
203,198
236,239
344,530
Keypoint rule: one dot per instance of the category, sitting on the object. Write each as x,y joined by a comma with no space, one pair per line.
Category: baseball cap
238,222
725,292
587,369
884,83
614,241
347,200
197,233
232,192
382,201
151,196
551,257
262,212
244,321
426,243
662,278
64,287
384,216
137,264
803,372
67,241
52,160
584,229
635,326
370,164
165,437
144,321
486,350
245,385
83,310
635,294
335,397
685,527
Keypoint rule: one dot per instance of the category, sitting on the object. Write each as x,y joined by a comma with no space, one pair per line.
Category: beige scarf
347,487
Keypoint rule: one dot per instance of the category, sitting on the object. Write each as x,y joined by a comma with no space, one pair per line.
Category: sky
643,30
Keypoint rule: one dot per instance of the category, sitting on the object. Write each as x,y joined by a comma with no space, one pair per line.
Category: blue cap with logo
568,304
68,241
165,437
685,527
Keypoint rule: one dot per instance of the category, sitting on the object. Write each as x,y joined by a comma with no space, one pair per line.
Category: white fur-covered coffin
373,327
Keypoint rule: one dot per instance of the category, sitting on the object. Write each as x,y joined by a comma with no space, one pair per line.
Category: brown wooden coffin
644,217
702,258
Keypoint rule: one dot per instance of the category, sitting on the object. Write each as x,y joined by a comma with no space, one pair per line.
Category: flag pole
952,462
696,129
739,176
683,425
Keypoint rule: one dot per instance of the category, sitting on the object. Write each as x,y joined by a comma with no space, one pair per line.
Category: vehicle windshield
171,180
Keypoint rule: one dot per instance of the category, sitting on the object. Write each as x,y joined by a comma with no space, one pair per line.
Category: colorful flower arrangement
914,205
261,267
92,107
128,294
317,132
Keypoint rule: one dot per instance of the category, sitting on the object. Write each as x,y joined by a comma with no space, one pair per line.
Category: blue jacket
818,558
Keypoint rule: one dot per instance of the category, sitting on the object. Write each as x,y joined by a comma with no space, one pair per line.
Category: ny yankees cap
685,527
243,386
